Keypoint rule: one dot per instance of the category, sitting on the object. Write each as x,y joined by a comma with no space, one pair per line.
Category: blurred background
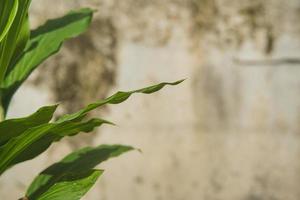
231,131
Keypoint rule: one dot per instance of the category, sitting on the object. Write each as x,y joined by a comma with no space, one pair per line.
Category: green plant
22,139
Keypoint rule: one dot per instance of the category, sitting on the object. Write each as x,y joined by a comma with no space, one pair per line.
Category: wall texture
229,132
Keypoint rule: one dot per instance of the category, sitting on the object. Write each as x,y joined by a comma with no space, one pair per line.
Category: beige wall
229,132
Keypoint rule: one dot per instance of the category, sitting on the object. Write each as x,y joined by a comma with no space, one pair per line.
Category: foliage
22,139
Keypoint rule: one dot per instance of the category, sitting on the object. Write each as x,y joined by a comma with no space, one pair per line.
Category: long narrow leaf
117,98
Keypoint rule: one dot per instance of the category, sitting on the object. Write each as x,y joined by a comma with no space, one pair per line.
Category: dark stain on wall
91,72
215,22
84,71
204,15
256,18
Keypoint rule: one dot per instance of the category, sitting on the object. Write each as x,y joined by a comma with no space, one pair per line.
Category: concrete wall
229,132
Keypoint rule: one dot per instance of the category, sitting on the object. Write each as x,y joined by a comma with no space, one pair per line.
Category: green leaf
45,41
81,160
16,38
22,39
56,134
14,127
8,11
36,140
71,186
117,98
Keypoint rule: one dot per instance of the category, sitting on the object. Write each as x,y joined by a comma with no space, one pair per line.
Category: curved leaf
71,186
81,160
45,41
117,98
